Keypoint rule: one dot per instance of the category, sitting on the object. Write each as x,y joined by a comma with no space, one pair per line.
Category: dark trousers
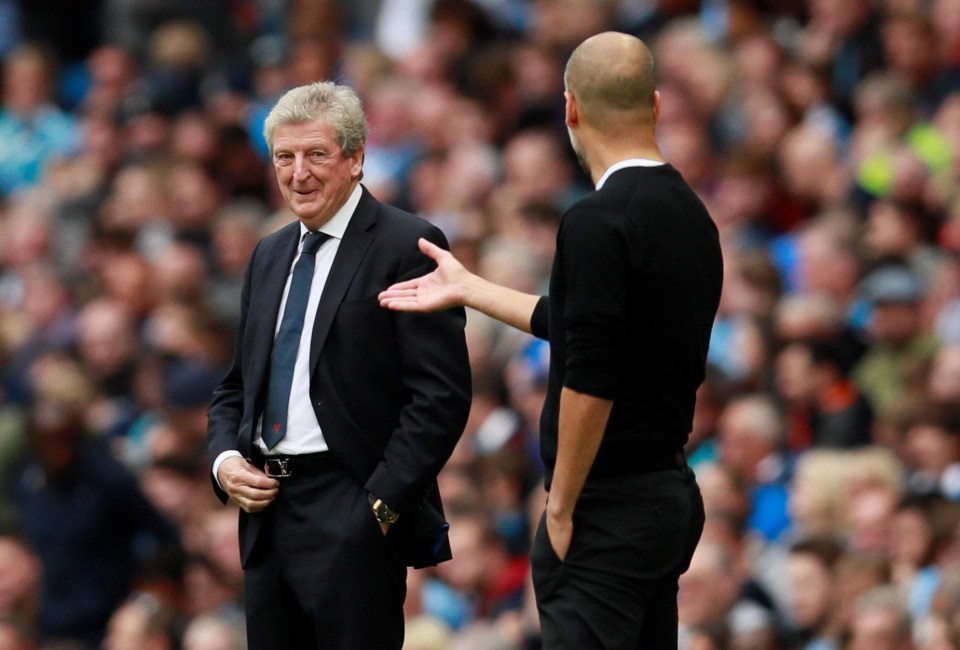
617,588
322,575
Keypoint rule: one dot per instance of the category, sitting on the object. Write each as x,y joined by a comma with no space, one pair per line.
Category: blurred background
823,136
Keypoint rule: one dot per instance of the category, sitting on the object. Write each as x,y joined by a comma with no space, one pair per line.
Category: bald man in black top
633,293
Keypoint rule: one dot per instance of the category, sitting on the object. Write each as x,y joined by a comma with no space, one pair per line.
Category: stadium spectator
751,443
813,593
89,523
33,130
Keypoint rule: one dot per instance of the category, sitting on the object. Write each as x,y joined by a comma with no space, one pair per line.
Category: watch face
384,513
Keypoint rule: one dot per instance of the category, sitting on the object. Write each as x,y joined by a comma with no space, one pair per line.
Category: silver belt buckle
277,467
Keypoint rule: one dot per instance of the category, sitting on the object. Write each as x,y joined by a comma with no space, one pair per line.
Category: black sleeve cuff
540,319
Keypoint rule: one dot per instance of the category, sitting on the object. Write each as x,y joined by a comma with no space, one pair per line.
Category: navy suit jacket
391,390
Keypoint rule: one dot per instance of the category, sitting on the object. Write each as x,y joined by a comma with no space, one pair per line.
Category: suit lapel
350,254
277,261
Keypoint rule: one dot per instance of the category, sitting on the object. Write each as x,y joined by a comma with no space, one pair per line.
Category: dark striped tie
285,347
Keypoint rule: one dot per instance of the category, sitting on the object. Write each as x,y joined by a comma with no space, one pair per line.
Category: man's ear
571,113
656,106
356,162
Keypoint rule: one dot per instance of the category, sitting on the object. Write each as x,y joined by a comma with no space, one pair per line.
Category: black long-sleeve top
633,293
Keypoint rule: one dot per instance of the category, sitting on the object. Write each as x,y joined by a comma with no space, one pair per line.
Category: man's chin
305,216
305,209
310,215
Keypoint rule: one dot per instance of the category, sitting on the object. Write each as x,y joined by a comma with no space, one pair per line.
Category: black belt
296,465
622,464
675,460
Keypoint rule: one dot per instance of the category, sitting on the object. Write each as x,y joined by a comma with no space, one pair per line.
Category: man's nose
300,167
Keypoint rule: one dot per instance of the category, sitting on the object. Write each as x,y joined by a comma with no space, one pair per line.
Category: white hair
339,104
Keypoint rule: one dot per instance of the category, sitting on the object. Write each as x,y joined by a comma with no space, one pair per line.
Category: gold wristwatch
382,511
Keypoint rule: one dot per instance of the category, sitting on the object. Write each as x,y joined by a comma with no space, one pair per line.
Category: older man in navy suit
336,416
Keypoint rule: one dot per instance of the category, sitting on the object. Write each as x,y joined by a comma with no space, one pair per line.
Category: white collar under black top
337,224
629,162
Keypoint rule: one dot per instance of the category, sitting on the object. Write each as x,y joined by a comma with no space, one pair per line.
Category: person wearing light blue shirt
33,131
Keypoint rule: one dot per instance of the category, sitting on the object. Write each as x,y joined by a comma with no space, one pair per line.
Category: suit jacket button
320,403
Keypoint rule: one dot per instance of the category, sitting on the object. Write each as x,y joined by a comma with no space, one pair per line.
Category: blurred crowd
823,136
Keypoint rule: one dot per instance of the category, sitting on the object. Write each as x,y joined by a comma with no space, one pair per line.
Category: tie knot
312,241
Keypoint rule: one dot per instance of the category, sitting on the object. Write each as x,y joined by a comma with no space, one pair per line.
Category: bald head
611,77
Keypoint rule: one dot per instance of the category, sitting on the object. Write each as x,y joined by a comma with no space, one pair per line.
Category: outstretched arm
451,285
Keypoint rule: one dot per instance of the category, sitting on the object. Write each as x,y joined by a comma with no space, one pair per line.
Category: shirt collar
336,226
623,164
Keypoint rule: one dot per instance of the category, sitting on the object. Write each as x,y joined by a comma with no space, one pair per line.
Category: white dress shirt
304,435
623,164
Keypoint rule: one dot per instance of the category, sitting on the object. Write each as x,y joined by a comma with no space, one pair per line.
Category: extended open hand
435,291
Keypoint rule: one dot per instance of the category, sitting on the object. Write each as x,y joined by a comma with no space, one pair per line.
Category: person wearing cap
336,416
634,290
899,347
186,386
